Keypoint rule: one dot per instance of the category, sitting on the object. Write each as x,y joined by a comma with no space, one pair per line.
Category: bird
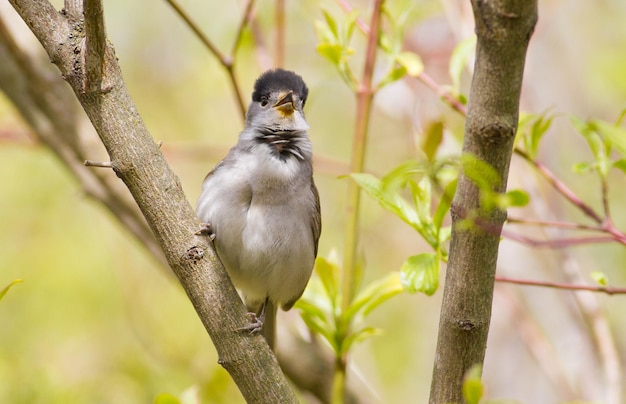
260,206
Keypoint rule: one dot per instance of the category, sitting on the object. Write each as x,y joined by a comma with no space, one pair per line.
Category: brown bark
503,28
97,83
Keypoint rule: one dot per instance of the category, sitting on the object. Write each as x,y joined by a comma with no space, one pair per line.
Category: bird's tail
269,324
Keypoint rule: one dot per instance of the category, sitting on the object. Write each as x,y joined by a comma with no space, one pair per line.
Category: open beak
286,104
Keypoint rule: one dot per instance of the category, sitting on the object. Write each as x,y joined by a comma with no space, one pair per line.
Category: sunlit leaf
616,135
374,294
620,164
420,273
458,60
359,336
411,62
389,200
583,167
6,288
332,52
473,388
396,73
444,204
516,197
328,272
331,23
600,278
481,173
432,139
399,176
166,398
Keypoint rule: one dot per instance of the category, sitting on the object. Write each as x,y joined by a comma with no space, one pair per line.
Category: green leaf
332,52
515,197
400,175
316,321
328,272
166,398
583,168
615,135
444,204
331,23
600,278
389,200
473,388
6,288
620,164
432,139
374,295
458,60
411,62
359,336
481,173
395,74
420,273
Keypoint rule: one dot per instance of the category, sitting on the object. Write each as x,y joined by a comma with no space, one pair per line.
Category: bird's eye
264,101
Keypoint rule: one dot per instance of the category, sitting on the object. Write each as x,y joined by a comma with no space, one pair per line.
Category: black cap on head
279,80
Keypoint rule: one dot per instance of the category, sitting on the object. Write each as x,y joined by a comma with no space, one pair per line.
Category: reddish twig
610,290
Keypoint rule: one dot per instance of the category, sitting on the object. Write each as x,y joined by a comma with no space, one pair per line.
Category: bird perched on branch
260,204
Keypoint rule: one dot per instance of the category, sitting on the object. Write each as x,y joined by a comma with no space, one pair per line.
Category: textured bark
503,28
137,161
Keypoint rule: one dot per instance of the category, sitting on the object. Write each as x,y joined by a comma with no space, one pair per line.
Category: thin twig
610,290
558,185
556,243
556,224
428,81
102,164
227,62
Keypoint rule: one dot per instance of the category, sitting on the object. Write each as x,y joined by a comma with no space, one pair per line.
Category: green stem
365,94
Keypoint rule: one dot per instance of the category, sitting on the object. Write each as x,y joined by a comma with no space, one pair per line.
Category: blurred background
97,319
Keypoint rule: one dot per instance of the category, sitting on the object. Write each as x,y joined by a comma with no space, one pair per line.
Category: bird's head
278,101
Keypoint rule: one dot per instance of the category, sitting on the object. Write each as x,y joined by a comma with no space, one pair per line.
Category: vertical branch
364,96
95,42
279,58
503,29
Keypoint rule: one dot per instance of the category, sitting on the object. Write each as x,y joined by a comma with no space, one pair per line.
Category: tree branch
503,29
137,160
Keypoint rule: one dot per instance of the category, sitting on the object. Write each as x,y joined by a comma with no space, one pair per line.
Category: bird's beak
286,104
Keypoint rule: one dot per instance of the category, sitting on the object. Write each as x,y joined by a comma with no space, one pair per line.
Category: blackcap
260,205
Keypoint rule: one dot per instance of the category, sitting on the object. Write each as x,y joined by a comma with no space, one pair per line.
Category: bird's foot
255,326
206,230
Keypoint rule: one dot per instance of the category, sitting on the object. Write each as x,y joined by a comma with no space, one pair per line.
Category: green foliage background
95,321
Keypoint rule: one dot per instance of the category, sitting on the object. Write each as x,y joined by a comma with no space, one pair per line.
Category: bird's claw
206,230
255,326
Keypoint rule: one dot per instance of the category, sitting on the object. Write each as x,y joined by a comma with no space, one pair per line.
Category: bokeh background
96,319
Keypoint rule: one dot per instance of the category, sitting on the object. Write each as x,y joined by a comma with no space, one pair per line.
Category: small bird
260,205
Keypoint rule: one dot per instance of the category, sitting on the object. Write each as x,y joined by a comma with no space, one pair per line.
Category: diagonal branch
138,162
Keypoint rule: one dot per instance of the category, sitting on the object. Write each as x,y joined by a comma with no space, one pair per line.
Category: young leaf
600,278
399,176
411,62
166,398
420,273
458,60
473,388
358,336
332,52
6,288
328,272
481,173
389,200
614,135
444,204
515,197
373,295
331,23
432,139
